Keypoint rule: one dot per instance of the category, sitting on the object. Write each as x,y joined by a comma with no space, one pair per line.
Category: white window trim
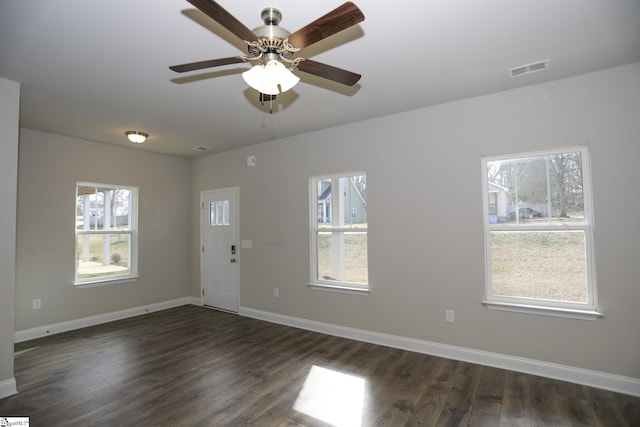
343,289
545,311
104,281
583,311
326,285
132,275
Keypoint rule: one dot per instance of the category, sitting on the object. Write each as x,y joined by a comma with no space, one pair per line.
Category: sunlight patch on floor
333,397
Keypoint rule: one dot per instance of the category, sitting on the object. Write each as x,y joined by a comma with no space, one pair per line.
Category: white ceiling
94,69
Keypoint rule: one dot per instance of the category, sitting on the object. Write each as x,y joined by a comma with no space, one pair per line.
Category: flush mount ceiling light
275,49
136,137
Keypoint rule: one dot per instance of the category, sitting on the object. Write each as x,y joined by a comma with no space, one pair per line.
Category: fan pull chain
262,97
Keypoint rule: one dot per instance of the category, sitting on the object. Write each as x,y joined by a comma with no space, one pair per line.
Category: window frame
577,310
131,232
314,229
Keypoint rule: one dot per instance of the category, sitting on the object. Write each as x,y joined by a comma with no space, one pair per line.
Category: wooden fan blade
192,66
333,22
328,72
224,18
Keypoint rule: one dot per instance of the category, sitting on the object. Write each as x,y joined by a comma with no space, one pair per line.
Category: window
539,233
106,233
339,232
219,213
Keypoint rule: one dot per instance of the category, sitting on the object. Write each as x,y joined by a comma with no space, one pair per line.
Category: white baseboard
611,382
195,301
56,328
8,388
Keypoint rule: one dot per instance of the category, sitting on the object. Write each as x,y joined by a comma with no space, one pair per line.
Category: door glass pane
219,212
225,212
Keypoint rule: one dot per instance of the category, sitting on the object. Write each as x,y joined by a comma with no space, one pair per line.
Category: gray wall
49,167
9,114
430,257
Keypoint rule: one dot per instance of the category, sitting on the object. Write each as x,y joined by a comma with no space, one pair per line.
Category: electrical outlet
276,293
37,304
450,316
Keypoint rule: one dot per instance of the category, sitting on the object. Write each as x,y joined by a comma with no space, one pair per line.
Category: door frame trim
235,189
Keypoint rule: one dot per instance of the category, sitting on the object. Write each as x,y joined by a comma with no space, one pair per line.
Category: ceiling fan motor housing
271,36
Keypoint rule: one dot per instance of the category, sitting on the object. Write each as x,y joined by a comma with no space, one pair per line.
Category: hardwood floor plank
629,407
516,401
434,395
486,405
607,407
192,366
408,376
546,405
574,403
461,395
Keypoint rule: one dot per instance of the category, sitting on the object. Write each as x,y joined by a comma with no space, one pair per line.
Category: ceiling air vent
201,148
523,70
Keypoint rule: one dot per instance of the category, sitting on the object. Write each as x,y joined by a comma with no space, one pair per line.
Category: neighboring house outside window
339,232
538,222
106,233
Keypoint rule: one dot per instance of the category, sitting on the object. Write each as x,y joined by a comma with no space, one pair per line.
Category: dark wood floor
192,366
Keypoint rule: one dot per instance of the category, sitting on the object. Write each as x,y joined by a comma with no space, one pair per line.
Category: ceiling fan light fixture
277,72
136,137
255,78
266,78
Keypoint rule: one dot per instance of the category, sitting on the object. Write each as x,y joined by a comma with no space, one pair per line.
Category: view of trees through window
103,231
538,233
546,187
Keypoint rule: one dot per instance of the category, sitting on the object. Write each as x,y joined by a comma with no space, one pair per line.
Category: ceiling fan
272,46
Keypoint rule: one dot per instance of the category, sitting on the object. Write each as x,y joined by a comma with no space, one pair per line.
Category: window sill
104,282
544,311
344,289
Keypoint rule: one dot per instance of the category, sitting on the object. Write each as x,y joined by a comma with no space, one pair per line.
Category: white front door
220,252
